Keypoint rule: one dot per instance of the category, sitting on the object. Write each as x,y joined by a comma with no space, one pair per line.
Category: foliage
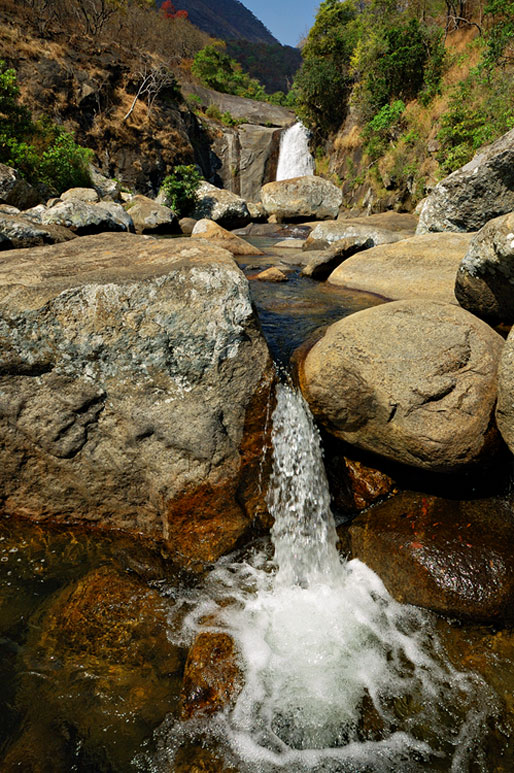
170,12
273,65
387,116
216,70
500,39
179,188
41,151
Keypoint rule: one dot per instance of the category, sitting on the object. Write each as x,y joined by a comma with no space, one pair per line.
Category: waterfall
295,159
338,677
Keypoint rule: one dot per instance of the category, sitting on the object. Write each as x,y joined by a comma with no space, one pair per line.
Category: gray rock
186,225
82,194
258,156
485,279
478,192
18,231
301,197
262,113
104,186
224,207
420,267
363,229
413,381
84,218
7,209
134,385
35,213
150,217
16,191
323,263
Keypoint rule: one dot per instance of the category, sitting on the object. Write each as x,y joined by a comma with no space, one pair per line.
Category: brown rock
272,274
456,558
325,262
301,197
208,229
212,677
367,484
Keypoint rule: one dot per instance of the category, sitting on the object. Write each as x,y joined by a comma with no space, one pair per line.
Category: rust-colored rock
212,677
367,484
273,274
456,558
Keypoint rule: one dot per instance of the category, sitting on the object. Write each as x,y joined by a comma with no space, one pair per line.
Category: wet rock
453,557
224,207
485,279
84,218
272,274
367,484
16,191
478,192
413,381
80,194
323,263
208,229
372,231
111,671
126,402
420,267
212,676
150,217
301,197
18,231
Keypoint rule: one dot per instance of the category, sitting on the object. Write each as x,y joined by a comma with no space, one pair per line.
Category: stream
334,675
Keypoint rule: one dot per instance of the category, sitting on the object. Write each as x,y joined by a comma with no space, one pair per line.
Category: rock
290,244
272,274
111,670
478,192
485,279
6,209
150,217
224,207
253,112
256,210
367,484
456,558
36,213
413,381
258,156
322,263
19,231
16,191
212,677
84,218
134,386
372,230
388,221
505,405
186,225
104,186
420,267
208,229
301,197
80,194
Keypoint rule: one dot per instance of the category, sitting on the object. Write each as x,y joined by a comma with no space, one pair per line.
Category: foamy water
295,159
338,677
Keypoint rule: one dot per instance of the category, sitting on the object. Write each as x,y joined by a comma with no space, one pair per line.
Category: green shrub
216,70
179,189
65,164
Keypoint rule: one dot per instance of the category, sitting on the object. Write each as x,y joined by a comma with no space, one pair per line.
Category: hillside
226,19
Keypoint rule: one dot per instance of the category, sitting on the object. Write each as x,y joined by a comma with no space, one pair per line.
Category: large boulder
485,280
82,194
420,267
321,263
16,191
222,206
258,156
150,217
134,385
480,191
371,231
301,198
84,218
505,405
414,381
208,229
456,558
18,231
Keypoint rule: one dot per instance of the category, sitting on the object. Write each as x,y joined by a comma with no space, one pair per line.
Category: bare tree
152,79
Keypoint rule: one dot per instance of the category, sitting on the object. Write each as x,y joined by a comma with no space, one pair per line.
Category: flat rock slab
208,229
420,267
375,229
133,389
456,558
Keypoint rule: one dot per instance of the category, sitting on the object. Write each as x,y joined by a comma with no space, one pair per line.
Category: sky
287,20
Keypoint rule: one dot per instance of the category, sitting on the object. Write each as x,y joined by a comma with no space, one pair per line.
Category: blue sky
288,20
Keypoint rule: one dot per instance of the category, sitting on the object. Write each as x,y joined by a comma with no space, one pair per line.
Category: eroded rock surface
134,386
208,229
414,381
222,206
301,197
150,217
84,218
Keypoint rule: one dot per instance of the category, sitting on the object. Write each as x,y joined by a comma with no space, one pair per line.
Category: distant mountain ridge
225,19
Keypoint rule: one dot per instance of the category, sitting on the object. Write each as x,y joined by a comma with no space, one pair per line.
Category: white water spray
339,678
295,159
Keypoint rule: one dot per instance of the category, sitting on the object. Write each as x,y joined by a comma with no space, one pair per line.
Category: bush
179,189
216,70
65,164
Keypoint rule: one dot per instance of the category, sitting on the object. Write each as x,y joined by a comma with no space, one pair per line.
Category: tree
170,11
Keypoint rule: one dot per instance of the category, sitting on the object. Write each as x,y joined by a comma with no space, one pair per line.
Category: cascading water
338,677
294,159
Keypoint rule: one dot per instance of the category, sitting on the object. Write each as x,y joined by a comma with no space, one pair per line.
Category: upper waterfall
295,158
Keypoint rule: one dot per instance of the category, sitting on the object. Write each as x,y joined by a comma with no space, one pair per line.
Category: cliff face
226,19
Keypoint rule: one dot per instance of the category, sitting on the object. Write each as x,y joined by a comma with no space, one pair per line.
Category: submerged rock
420,267
208,229
456,558
134,389
478,192
301,197
413,381
485,280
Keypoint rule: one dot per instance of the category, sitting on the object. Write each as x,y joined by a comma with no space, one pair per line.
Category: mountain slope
225,19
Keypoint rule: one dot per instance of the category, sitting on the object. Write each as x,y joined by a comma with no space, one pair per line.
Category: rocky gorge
136,393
